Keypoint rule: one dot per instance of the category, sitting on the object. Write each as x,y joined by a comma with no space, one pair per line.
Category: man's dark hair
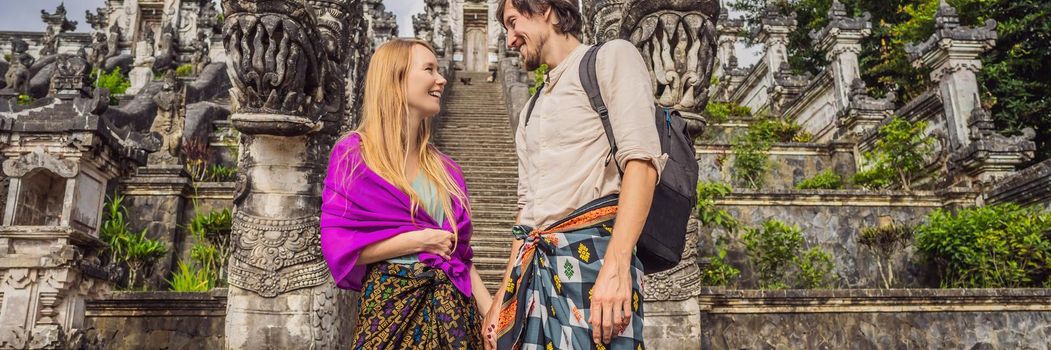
567,12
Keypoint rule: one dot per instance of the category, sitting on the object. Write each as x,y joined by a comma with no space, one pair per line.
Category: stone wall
789,163
831,219
159,320
1031,186
877,319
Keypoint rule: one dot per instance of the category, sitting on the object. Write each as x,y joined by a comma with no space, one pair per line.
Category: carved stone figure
17,77
200,57
171,117
99,51
70,78
142,73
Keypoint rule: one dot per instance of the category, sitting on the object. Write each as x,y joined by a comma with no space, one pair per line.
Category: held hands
437,242
611,302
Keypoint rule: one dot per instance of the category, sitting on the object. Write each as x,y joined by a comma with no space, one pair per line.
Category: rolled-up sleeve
628,93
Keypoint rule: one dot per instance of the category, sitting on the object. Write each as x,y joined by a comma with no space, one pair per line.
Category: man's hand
611,299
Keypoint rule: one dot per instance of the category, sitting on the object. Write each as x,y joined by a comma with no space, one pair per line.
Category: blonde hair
384,145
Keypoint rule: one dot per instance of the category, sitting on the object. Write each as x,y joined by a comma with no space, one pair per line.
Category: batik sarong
414,307
548,299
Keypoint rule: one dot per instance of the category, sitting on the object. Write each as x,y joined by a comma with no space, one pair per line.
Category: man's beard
532,60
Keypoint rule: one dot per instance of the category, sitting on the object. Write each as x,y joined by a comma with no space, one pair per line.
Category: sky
22,15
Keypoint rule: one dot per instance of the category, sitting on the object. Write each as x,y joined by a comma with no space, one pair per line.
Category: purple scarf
364,209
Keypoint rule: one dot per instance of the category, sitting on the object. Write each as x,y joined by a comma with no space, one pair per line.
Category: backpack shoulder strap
532,102
589,80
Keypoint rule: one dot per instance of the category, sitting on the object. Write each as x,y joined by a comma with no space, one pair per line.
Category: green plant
721,112
24,100
187,279
825,180
883,241
7,57
211,247
141,253
538,78
196,153
707,213
114,81
219,172
718,272
900,150
998,246
875,178
750,160
775,251
815,269
126,248
184,70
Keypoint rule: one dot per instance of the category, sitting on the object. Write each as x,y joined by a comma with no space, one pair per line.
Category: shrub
883,241
187,279
707,213
750,160
114,81
825,180
219,172
721,112
184,70
719,272
127,249
875,178
538,78
211,248
775,251
24,100
997,246
898,155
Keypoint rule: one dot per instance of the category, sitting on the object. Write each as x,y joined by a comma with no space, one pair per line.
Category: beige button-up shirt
562,151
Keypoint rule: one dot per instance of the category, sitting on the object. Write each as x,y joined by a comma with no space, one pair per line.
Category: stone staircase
476,133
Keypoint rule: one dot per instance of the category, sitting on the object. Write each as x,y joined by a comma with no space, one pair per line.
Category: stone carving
200,57
273,256
39,159
113,40
275,63
99,51
144,60
57,23
683,281
165,50
295,66
171,117
18,74
70,77
678,40
97,20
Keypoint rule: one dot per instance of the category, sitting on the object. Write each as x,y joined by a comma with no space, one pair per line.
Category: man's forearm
636,195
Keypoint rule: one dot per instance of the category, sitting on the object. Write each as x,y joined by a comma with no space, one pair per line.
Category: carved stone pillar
952,54
774,35
290,95
841,42
677,39
729,31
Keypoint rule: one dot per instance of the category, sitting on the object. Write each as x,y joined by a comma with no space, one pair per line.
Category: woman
395,222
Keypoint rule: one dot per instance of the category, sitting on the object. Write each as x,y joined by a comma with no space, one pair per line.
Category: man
573,280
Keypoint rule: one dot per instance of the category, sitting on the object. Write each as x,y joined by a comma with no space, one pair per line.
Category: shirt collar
553,76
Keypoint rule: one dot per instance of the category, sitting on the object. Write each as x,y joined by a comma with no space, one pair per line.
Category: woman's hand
489,325
437,242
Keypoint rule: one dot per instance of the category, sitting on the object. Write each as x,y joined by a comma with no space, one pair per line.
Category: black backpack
663,237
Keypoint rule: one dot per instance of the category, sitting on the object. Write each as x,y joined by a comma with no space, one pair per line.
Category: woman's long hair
384,144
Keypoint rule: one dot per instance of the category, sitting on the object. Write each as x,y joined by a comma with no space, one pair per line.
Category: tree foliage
1013,79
